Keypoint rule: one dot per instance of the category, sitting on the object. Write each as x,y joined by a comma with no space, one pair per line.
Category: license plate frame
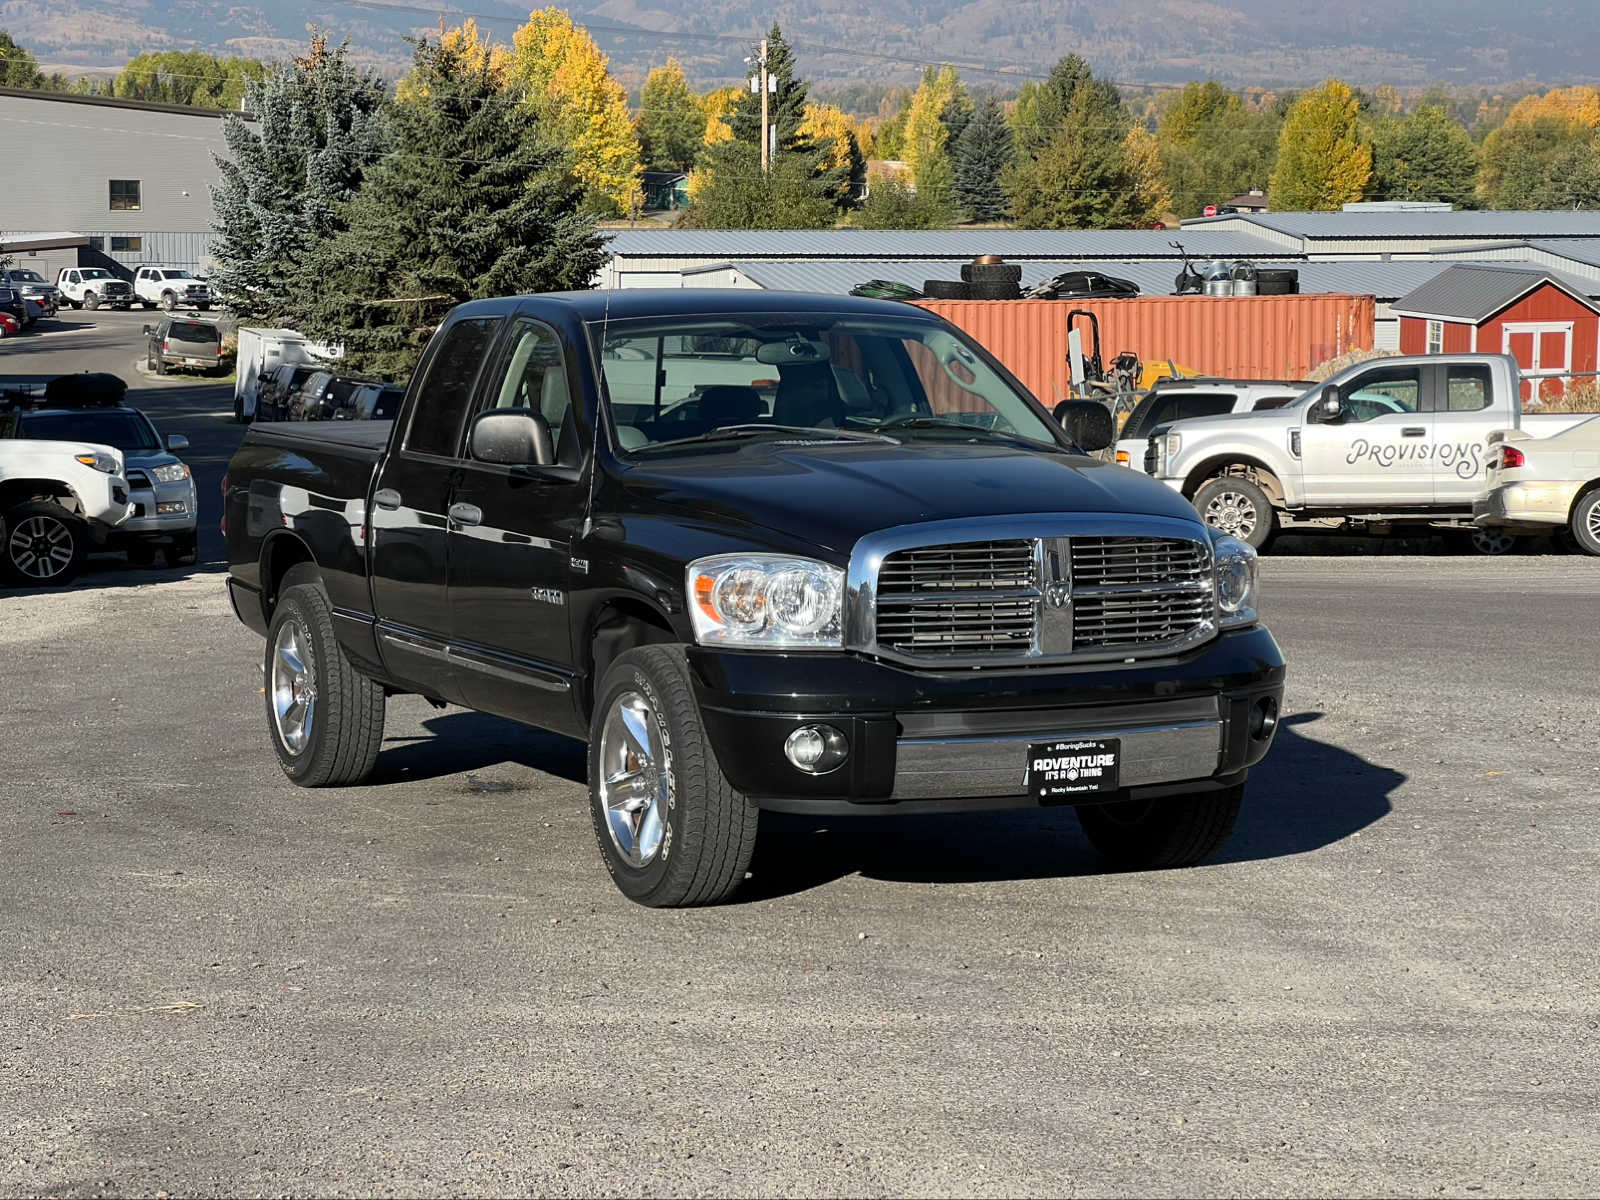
1077,767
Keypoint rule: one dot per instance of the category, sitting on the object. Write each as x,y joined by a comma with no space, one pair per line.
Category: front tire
1585,523
324,718
1175,831
1238,507
168,302
183,551
91,301
44,546
672,830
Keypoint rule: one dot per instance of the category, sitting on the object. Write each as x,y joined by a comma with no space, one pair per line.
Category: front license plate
1058,771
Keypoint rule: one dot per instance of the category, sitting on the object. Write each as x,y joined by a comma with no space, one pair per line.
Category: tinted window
1267,402
1160,407
442,401
194,331
127,431
1468,389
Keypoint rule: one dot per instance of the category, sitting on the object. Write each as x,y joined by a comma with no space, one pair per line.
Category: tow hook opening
1263,719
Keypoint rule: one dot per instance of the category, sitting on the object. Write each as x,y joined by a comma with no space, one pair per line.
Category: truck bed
354,439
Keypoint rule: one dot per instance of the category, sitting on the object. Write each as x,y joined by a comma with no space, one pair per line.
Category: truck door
511,534
1376,454
410,529
1465,410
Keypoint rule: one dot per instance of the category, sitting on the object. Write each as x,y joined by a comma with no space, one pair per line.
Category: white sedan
1538,485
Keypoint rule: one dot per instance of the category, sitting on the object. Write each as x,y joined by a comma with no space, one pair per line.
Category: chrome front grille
1045,598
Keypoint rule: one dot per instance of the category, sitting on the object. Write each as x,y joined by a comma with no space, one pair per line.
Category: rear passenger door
410,528
1463,414
511,534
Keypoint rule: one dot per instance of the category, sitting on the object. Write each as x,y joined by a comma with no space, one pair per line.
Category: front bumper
1535,504
147,522
952,741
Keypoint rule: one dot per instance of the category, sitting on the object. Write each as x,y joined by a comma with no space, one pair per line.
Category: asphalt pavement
215,983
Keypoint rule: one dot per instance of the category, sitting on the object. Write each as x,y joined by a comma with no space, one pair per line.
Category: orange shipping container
1256,337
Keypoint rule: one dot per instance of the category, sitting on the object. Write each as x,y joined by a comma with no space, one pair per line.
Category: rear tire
1176,831
672,830
1585,524
324,718
1489,543
1239,508
44,545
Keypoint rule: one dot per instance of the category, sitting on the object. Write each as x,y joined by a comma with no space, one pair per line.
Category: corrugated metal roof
1383,280
1580,250
1426,226
956,245
1474,292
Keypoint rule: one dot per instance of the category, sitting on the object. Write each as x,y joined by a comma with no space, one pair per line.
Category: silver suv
1180,399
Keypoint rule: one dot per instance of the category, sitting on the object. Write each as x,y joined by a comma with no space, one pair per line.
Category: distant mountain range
1273,43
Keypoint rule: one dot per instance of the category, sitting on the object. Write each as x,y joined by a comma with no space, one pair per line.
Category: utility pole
766,144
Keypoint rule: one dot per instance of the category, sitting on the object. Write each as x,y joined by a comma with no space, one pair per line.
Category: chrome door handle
386,498
1413,431
466,514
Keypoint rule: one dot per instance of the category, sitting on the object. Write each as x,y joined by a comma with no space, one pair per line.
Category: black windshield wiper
731,433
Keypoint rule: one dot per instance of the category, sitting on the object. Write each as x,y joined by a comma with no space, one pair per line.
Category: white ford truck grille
1044,598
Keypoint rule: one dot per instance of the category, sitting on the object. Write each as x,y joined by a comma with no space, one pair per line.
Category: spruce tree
786,107
319,125
476,199
981,156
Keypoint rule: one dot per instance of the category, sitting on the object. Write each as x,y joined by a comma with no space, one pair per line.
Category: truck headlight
770,601
1236,579
1170,445
100,461
176,473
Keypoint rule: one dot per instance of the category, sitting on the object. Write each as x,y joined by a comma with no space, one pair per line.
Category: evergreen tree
893,204
1543,163
476,199
786,107
1426,156
1070,93
1080,175
1323,160
672,122
983,154
736,194
319,125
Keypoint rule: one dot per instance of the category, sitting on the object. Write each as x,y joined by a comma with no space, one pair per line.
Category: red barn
1552,330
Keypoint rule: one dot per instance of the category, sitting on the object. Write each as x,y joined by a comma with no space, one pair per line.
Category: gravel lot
218,984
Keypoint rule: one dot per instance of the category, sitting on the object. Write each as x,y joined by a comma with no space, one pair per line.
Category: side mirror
511,438
1087,423
1325,408
149,329
176,442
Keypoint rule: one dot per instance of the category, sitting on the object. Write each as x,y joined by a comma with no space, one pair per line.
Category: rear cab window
195,332
440,408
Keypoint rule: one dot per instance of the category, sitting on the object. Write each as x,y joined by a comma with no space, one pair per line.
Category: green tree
478,198
187,77
1543,163
983,154
1212,147
1323,161
927,133
19,69
287,175
1426,156
1073,166
672,121
736,193
1071,92
892,203
786,106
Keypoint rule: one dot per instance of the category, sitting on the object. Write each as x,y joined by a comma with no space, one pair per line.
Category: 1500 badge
547,595
1467,457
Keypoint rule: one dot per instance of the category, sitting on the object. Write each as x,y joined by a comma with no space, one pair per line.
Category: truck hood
39,451
834,494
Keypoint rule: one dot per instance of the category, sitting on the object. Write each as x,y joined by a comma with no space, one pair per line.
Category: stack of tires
1277,281
985,278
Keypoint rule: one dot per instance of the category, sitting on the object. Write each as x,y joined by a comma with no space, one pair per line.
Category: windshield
129,432
28,276
842,376
95,273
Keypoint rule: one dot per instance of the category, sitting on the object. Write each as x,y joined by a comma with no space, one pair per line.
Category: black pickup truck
761,551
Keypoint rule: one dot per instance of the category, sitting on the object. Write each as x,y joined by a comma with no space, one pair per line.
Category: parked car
12,302
863,604
9,324
1388,444
183,342
34,287
58,498
170,288
1536,485
90,287
278,387
325,396
160,486
377,401
1180,399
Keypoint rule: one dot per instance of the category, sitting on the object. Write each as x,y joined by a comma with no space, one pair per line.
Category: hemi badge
548,595
580,565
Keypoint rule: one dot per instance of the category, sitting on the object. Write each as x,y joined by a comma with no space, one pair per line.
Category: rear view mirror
176,442
511,438
795,352
1087,423
1325,408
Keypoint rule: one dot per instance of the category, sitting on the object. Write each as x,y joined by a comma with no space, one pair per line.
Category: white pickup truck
170,288
1387,444
56,500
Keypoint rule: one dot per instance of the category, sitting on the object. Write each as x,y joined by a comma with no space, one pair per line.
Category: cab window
1467,389
441,405
1381,393
532,375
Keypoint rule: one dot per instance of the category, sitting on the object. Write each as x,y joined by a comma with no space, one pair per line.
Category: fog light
171,508
1263,718
816,749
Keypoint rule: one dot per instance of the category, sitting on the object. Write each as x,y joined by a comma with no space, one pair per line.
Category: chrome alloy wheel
1592,522
635,779
40,547
294,687
1232,513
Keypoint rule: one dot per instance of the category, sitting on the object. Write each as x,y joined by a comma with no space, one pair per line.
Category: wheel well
277,557
1586,490
20,491
1243,468
620,625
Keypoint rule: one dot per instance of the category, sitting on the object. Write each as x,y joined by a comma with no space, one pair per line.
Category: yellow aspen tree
1323,160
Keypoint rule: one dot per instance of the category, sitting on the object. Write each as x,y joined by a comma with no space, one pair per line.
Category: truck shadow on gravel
464,741
1306,794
